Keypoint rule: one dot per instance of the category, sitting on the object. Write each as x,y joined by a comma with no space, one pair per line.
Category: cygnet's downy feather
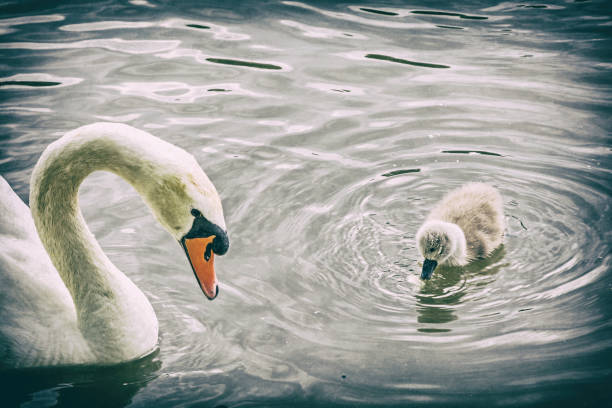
467,224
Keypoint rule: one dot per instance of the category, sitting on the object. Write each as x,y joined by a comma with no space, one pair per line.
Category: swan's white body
62,300
467,224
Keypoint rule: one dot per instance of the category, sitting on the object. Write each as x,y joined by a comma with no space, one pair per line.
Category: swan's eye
196,213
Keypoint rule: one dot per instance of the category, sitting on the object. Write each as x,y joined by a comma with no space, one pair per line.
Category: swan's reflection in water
84,386
440,297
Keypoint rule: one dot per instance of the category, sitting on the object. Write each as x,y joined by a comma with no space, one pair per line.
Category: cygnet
466,225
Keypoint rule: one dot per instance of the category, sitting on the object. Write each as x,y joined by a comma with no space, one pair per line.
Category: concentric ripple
368,259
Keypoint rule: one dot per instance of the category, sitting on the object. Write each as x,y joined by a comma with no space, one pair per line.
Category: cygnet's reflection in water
80,386
439,297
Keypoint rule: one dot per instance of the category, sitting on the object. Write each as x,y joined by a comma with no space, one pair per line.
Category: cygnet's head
437,241
186,203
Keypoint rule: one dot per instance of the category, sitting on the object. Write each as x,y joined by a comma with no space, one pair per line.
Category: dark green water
330,129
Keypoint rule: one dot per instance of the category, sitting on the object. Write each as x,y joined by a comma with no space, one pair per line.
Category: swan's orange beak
202,261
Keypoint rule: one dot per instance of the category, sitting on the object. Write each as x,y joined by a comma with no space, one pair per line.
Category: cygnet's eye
196,213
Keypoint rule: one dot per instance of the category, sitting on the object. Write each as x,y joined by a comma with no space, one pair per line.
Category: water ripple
404,61
378,11
106,25
358,19
111,44
37,80
178,92
36,19
448,14
241,63
321,32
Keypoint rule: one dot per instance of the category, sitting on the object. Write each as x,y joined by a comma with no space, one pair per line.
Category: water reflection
321,32
240,63
113,386
111,44
218,32
471,152
377,11
199,26
439,297
7,24
21,81
360,20
448,14
29,83
179,92
405,61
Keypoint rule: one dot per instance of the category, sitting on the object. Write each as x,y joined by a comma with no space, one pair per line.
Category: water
330,130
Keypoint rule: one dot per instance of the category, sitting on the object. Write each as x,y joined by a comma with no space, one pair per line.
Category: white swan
467,224
62,301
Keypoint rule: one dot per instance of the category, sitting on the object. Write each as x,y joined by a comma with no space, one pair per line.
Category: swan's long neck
113,315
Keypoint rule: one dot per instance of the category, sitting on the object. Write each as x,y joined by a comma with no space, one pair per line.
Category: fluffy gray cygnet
467,224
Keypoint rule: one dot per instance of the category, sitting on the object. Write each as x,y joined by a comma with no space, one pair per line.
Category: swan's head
186,203
438,242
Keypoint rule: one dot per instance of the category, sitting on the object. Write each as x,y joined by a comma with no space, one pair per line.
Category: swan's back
12,211
477,208
35,305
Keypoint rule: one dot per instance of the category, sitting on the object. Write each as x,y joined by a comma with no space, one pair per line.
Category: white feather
63,302
467,224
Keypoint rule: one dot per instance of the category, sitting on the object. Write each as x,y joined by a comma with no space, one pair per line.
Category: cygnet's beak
428,268
200,254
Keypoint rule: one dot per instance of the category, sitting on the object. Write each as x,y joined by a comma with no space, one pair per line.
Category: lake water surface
329,130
